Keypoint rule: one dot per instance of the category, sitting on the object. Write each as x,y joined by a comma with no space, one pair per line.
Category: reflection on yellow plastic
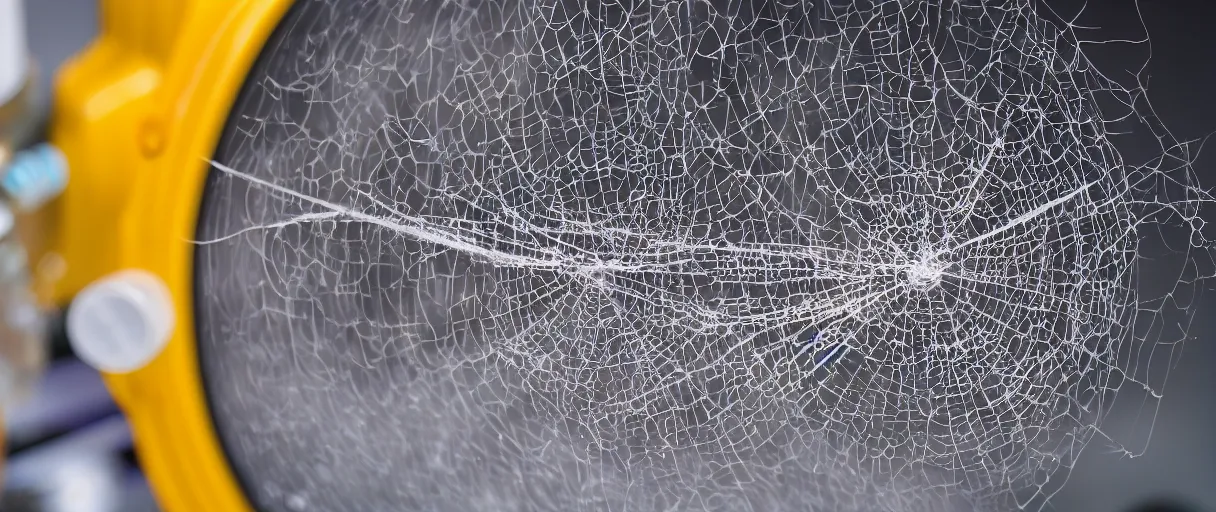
138,114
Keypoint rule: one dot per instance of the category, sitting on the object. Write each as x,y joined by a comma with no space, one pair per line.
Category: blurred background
70,451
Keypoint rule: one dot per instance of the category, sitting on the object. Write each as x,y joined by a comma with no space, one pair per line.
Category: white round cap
122,322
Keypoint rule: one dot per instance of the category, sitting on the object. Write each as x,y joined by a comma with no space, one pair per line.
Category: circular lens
568,255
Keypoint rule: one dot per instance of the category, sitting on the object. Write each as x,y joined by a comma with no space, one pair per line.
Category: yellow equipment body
138,115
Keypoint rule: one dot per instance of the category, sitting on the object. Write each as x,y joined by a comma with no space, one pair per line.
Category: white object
122,322
7,219
14,54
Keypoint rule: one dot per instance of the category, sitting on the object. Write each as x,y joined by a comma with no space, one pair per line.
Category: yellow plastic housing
138,114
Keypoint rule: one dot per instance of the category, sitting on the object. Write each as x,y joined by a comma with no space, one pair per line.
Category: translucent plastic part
23,326
122,322
562,255
35,176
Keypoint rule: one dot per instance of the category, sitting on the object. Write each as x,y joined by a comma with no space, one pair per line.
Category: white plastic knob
122,322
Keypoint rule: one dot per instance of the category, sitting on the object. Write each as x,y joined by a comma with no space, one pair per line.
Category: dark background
1179,465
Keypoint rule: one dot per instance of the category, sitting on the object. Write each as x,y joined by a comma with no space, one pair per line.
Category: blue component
832,355
35,176
823,355
813,343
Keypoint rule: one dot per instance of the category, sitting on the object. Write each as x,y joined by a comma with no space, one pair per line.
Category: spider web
559,255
